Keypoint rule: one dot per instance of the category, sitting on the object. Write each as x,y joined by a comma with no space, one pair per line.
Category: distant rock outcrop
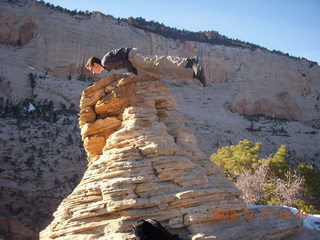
144,163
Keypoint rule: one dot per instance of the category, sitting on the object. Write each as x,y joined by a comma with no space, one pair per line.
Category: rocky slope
37,170
144,163
256,95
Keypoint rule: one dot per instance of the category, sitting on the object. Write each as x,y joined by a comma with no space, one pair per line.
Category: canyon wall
56,42
252,94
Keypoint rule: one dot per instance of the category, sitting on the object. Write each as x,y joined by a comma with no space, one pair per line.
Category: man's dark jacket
117,59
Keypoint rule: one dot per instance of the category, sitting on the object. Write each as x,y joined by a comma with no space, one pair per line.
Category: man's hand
129,74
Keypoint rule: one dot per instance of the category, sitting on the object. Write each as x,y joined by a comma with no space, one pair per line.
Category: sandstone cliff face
144,163
267,83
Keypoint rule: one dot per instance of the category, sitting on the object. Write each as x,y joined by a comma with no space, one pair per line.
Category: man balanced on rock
134,59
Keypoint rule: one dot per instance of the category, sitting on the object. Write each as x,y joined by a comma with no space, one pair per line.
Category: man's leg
166,66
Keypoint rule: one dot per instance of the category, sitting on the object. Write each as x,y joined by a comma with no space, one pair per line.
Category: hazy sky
290,26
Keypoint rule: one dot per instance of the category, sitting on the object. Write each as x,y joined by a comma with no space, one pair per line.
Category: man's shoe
198,73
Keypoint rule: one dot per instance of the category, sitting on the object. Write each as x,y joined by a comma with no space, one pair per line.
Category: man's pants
166,66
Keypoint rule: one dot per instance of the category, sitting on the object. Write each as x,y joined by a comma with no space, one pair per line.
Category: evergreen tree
235,159
278,163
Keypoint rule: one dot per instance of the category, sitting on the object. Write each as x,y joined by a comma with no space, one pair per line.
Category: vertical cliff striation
144,163
52,41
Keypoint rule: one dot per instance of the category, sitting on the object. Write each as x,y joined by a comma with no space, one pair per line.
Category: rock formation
36,173
144,163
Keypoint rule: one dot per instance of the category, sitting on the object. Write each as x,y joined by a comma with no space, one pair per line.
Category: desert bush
32,80
251,184
69,140
269,181
259,187
290,188
236,159
312,180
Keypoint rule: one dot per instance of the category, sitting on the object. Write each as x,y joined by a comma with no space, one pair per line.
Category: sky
289,26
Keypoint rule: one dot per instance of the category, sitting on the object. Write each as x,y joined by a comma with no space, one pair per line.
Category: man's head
94,65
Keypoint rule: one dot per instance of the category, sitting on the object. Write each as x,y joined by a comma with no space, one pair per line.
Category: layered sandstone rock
144,163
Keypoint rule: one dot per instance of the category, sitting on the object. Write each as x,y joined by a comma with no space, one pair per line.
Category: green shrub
312,180
269,195
300,204
280,185
278,163
235,159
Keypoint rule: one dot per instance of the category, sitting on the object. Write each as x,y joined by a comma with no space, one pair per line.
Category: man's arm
129,67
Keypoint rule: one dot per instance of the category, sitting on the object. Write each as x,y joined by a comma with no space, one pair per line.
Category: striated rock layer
144,163
52,41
